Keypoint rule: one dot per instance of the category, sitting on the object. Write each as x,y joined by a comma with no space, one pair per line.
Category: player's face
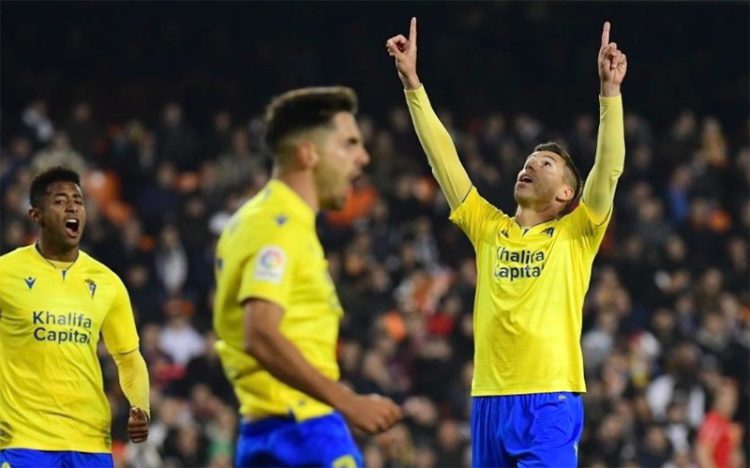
342,157
62,215
541,180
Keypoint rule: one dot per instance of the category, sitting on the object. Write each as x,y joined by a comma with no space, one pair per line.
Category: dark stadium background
535,57
129,59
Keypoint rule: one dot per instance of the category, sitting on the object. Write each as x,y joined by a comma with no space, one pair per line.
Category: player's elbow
261,329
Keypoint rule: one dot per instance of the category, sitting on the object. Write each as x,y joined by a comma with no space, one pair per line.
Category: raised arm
599,190
435,139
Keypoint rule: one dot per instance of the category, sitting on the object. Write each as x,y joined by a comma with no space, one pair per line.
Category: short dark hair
44,179
304,109
575,180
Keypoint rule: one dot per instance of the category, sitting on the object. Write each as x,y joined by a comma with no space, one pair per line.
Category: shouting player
54,302
533,272
276,310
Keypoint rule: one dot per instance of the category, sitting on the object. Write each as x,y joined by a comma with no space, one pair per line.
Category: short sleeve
474,215
268,273
118,329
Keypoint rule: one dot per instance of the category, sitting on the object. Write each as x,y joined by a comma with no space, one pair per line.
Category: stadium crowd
666,333
666,323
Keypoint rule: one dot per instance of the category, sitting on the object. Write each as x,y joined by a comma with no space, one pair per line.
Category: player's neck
528,217
301,182
56,253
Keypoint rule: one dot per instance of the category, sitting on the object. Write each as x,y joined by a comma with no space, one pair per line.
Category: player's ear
565,194
306,154
35,214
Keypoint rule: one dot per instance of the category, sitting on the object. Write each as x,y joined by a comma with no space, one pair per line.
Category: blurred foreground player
276,310
54,302
533,272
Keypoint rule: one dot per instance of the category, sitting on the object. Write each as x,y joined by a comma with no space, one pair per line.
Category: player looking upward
54,301
533,272
276,311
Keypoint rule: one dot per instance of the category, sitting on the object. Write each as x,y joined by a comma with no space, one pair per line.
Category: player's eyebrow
63,194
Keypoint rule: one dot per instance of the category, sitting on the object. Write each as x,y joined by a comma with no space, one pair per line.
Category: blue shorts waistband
251,428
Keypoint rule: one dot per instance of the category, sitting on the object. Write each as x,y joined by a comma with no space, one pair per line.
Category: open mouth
72,227
354,178
525,179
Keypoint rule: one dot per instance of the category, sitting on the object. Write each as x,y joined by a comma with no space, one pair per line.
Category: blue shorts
540,429
27,458
282,441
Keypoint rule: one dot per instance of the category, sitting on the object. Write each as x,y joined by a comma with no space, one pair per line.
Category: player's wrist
342,399
609,89
412,82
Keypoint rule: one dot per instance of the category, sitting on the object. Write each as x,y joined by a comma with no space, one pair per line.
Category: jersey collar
297,207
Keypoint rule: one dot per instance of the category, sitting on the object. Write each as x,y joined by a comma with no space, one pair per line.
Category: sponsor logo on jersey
61,328
518,264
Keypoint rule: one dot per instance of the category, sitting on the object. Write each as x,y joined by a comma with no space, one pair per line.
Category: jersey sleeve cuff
610,101
418,94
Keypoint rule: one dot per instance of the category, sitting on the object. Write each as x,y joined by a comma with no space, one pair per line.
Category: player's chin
72,241
521,194
335,202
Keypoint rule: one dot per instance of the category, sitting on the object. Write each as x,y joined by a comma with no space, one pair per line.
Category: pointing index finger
413,30
605,34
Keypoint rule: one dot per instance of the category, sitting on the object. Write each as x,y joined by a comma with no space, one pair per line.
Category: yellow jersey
51,395
531,282
270,250
530,289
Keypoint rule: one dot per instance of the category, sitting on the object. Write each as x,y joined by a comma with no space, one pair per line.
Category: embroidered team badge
92,286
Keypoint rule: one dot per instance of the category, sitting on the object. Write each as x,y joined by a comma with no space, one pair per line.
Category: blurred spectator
58,153
718,442
36,124
666,321
83,131
177,141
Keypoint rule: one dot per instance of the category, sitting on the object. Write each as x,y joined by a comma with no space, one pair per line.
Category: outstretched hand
613,64
405,52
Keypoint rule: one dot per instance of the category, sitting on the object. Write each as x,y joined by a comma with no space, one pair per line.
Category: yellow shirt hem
525,390
65,447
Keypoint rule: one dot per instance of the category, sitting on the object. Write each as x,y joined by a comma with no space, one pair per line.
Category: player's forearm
599,190
134,379
439,147
284,361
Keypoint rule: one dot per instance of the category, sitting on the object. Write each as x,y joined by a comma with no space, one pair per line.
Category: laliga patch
271,264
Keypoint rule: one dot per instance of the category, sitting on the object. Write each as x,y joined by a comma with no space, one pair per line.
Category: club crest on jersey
271,264
92,286
30,282
281,219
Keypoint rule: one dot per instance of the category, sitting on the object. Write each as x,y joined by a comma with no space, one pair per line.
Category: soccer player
533,272
54,302
276,311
